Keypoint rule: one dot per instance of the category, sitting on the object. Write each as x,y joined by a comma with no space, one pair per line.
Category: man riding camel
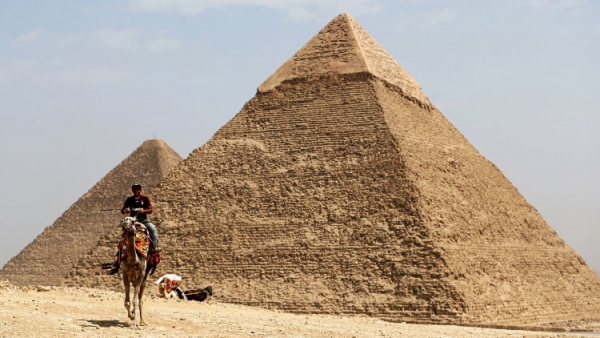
137,206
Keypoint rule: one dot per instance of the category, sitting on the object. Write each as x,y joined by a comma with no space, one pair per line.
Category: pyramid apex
343,46
153,142
156,144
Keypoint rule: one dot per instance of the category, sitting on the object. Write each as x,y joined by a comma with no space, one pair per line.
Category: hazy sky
84,83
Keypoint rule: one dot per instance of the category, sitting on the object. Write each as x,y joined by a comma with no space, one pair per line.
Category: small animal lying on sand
169,287
198,294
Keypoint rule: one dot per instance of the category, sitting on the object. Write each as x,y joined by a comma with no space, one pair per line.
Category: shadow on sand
103,323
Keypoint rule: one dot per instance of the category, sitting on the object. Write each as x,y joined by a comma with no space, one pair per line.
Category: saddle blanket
168,283
142,243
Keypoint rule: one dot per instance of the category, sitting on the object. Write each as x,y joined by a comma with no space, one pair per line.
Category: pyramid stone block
47,259
339,188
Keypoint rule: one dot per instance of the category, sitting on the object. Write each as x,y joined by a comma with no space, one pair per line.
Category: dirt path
75,312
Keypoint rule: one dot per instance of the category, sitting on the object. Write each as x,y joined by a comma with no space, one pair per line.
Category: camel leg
142,288
127,299
136,301
136,310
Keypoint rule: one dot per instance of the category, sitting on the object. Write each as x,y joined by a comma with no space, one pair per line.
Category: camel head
128,224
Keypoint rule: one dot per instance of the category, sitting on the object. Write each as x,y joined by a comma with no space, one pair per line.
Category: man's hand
127,210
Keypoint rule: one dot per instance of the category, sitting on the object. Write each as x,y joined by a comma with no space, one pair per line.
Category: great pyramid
339,188
53,253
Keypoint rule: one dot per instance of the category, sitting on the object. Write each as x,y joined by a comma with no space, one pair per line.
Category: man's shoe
156,250
115,268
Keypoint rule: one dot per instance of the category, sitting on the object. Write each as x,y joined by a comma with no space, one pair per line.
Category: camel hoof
143,324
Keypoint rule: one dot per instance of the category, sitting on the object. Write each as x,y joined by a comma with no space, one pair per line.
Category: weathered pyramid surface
53,253
344,47
339,189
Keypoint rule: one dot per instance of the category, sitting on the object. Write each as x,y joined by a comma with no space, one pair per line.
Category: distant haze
84,84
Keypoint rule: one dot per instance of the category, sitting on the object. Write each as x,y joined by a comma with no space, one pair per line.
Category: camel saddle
142,242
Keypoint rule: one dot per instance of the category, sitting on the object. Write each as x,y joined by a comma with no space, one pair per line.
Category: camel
167,284
135,272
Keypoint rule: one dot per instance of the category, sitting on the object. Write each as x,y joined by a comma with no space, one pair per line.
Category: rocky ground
82,312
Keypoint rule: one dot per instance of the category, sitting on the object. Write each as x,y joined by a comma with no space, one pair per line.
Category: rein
132,232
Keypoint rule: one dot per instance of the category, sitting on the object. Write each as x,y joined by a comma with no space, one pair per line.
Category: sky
84,83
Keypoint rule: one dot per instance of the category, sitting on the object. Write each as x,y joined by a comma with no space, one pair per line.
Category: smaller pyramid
53,253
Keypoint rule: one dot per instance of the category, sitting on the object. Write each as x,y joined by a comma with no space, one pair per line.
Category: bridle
131,229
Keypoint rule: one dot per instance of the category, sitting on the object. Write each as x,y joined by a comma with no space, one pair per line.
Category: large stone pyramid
339,188
53,253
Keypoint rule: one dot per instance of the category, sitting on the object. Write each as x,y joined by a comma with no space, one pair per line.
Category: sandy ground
81,312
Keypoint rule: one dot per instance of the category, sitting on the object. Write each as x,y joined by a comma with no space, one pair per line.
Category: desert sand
84,312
